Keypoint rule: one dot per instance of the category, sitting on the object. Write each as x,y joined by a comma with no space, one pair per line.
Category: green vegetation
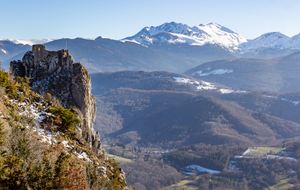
283,183
65,119
3,78
151,175
119,159
182,185
212,157
208,181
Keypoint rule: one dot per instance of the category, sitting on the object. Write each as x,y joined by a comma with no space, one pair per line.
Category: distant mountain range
215,34
173,47
278,74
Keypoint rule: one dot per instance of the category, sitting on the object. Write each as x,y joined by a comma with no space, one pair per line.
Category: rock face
55,72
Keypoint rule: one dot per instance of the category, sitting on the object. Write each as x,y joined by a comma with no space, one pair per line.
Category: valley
126,100
176,106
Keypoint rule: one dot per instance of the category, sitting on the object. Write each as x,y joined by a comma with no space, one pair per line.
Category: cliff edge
56,72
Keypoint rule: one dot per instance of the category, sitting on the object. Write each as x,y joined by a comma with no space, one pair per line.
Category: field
182,185
282,184
261,151
119,159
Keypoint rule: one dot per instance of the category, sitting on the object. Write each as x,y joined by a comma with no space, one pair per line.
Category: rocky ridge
57,73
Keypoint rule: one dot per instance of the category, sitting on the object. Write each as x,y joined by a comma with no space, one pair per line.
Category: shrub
2,140
69,119
3,78
12,91
24,85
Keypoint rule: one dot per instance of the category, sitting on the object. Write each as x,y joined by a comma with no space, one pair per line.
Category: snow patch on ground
232,165
214,72
237,156
104,171
32,110
66,144
291,101
284,99
83,155
228,91
46,135
199,85
269,156
186,173
202,169
268,96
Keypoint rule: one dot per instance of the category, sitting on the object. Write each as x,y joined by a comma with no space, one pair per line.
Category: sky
117,19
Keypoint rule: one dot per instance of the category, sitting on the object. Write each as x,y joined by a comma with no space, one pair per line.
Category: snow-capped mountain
176,33
275,41
272,40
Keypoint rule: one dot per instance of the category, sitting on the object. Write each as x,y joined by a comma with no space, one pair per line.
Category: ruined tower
39,52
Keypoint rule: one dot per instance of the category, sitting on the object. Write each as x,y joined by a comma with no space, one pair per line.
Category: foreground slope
50,142
40,151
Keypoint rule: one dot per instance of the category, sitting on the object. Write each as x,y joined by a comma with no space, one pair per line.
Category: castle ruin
57,73
39,52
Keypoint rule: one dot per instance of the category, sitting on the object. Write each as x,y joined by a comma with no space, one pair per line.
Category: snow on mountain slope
272,40
29,42
3,50
176,33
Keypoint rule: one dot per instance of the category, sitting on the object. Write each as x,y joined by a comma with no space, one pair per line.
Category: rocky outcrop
56,72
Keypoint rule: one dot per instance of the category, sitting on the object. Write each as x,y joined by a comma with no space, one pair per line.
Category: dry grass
261,151
282,184
119,159
181,185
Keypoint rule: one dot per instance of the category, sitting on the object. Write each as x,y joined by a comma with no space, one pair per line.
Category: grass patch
181,185
261,151
282,184
105,145
119,159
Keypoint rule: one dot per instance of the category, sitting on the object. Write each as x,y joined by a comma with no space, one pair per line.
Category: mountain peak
273,34
178,33
212,24
271,40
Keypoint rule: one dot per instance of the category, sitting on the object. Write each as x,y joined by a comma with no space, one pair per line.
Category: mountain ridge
175,47
202,34
177,33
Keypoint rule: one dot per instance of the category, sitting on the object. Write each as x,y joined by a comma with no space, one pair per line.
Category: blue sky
117,19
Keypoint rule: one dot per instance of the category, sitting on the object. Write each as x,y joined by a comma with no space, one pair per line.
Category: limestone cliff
56,72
